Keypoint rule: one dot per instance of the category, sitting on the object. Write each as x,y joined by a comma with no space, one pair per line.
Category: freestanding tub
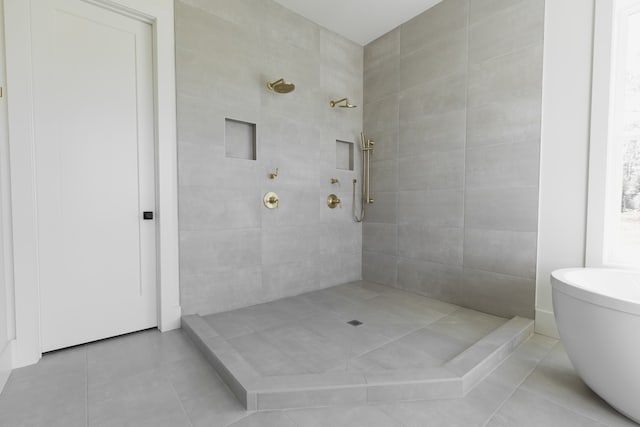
598,315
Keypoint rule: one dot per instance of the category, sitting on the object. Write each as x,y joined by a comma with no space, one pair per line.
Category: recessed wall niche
344,155
240,139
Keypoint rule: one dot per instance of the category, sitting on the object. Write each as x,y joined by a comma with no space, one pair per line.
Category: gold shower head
280,86
343,100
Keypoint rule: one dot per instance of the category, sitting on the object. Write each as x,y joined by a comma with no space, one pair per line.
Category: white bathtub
598,315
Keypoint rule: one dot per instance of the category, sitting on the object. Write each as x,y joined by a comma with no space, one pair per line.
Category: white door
94,144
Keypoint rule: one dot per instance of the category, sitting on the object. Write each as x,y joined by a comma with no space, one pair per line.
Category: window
613,235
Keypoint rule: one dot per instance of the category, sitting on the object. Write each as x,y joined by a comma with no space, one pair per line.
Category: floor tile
51,393
419,349
121,357
172,346
467,325
555,379
526,409
144,399
357,416
195,377
54,401
263,356
265,419
216,408
472,410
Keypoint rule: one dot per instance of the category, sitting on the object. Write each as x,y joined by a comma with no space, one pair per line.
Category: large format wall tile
441,20
235,252
465,123
506,31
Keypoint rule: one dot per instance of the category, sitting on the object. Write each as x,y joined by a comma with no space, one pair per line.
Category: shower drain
354,322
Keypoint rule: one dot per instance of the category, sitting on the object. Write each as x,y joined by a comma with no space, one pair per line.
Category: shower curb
453,380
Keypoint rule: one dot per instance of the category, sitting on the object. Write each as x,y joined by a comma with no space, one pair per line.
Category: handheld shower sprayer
366,146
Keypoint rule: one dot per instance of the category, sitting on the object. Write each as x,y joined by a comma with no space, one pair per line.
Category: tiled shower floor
303,351
309,334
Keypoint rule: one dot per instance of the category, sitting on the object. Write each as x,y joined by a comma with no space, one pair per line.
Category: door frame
160,15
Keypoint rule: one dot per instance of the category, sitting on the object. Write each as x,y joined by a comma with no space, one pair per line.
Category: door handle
147,215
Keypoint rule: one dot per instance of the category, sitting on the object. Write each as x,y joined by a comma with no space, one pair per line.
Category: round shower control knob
271,200
333,201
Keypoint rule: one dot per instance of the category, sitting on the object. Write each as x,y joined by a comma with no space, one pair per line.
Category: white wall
6,297
566,105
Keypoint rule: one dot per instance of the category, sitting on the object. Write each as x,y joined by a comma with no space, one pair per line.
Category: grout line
518,386
86,383
175,393
392,340
286,415
466,140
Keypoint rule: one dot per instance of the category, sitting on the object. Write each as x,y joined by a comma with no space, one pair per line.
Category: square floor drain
354,322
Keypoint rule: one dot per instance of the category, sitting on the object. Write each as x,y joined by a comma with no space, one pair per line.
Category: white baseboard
170,319
546,323
5,364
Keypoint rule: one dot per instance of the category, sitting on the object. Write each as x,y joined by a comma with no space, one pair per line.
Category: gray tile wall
235,252
453,100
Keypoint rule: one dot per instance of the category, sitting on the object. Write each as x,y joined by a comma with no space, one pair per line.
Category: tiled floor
153,379
309,334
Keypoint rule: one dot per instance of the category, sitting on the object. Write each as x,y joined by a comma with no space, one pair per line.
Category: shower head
344,101
280,86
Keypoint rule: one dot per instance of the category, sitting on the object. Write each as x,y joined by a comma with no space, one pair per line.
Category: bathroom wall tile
338,237
506,252
194,26
289,27
436,244
503,165
433,98
383,175
383,209
381,81
297,207
436,208
197,126
438,170
507,77
440,21
386,147
384,49
245,13
505,122
287,279
288,244
383,114
230,41
208,208
202,167
481,9
336,84
439,132
435,280
340,53
203,251
434,61
338,268
498,294
506,31
343,213
379,268
380,238
513,209
221,290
